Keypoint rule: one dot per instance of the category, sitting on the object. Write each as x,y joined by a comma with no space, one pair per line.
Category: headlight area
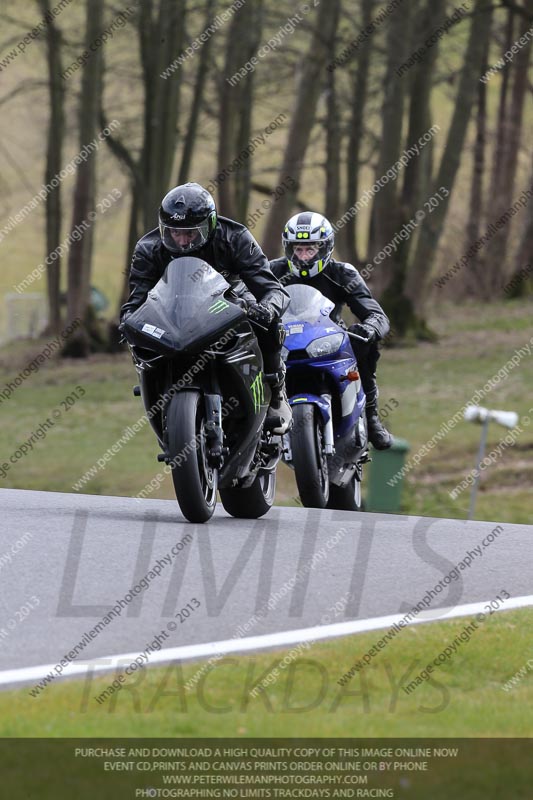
325,346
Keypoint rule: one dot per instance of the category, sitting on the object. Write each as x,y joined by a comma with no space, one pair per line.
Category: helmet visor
184,240
305,254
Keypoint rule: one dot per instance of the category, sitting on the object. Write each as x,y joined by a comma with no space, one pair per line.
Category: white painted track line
243,645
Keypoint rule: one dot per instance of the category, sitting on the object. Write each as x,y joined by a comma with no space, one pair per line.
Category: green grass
83,433
464,698
432,382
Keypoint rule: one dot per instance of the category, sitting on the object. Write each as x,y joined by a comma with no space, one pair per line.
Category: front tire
349,498
308,456
346,498
195,482
254,501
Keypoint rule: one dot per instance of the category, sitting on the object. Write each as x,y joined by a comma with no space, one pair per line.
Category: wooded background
330,74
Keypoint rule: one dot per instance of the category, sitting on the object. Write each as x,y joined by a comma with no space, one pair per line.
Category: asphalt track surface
82,553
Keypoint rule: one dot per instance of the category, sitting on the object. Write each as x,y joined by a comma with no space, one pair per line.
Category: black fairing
185,311
187,314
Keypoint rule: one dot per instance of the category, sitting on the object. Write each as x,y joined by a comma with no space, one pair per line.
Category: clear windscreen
186,285
307,304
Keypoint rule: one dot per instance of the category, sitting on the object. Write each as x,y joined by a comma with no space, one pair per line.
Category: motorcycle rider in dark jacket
308,240
189,226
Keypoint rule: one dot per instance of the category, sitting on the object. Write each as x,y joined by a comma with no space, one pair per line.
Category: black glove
262,314
364,330
121,328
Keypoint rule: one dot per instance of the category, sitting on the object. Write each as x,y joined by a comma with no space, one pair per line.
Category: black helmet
188,212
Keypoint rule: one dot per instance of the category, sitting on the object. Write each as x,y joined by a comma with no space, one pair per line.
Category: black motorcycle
205,392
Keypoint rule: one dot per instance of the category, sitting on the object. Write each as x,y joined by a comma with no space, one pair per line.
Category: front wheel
195,482
309,456
349,497
346,498
254,501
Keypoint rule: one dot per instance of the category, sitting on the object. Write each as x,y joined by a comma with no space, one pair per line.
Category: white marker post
509,419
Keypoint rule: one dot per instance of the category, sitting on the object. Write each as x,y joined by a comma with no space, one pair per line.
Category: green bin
385,465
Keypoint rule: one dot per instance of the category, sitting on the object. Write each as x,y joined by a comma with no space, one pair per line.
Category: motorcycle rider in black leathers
189,226
308,240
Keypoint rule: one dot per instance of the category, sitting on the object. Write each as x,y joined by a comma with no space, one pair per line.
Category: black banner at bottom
467,769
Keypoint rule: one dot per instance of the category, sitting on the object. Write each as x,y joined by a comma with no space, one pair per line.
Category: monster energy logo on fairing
217,307
258,391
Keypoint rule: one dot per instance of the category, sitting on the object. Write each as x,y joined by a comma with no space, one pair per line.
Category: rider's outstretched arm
253,268
359,298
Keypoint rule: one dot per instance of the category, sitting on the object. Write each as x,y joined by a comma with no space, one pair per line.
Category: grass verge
463,698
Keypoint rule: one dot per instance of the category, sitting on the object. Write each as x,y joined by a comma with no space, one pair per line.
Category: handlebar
360,338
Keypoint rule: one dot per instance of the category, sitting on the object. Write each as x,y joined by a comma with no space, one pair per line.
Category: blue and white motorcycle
328,443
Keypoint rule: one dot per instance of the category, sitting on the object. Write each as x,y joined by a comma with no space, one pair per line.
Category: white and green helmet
312,229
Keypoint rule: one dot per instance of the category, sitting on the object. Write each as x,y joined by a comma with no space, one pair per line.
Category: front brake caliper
213,431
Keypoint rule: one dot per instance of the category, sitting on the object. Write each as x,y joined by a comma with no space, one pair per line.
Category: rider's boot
378,434
367,359
279,406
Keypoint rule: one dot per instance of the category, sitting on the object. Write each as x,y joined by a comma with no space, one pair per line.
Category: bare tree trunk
418,171
305,105
226,132
133,238
199,87
162,32
236,105
386,206
495,261
333,136
523,264
474,278
159,22
497,159
525,253
80,255
359,78
230,102
54,149
432,227
243,176
417,178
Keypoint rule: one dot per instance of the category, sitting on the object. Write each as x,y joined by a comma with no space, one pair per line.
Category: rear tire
195,483
308,456
254,501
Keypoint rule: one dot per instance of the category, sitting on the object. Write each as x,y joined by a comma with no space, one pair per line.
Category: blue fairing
307,321
316,400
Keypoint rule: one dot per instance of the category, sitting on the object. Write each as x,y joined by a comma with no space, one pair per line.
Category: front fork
325,411
329,442
213,431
